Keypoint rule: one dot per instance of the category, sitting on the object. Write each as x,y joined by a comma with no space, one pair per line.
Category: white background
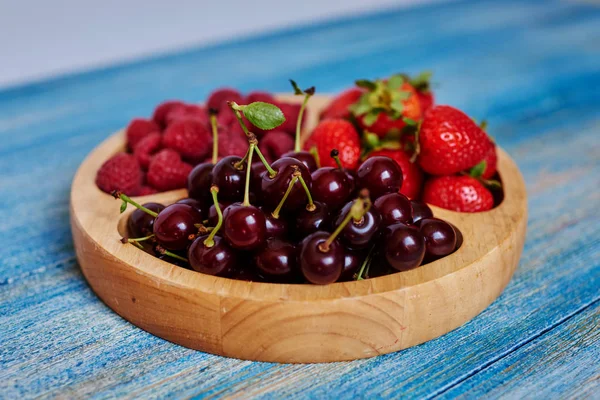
45,38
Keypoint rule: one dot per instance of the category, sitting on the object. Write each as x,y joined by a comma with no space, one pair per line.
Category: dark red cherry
213,218
358,234
403,247
459,237
381,175
141,223
175,224
305,158
440,237
246,274
278,260
394,208
352,262
199,181
273,189
276,227
198,205
331,186
218,259
321,265
244,227
229,179
420,210
308,222
256,171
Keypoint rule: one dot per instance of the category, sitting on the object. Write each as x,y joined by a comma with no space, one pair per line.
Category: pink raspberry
146,190
218,99
120,172
138,129
265,97
190,138
290,111
146,148
188,111
167,171
275,143
163,109
232,141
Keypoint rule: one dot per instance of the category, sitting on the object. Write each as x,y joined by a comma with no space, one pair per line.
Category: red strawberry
232,141
275,143
188,111
422,85
458,193
413,176
491,159
167,171
450,142
144,150
163,109
190,138
137,129
219,98
265,97
120,172
336,134
387,105
340,106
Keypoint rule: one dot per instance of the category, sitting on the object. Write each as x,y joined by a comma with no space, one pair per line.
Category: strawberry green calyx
381,97
421,82
477,172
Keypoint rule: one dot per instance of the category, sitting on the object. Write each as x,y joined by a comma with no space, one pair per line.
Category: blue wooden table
532,69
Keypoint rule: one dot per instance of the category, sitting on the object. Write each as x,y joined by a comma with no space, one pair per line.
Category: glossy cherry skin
276,227
318,266
331,186
198,205
308,222
199,182
358,234
244,227
352,262
218,259
278,260
403,247
140,223
256,170
420,210
440,237
304,157
229,179
175,224
381,175
394,208
273,189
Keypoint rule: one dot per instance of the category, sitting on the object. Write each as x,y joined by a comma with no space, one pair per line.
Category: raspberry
146,190
188,111
120,172
167,171
144,150
138,129
226,118
290,111
219,98
232,141
275,143
163,109
265,97
190,138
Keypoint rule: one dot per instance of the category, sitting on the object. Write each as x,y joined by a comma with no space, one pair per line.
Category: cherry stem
248,173
126,199
272,172
276,212
238,115
215,133
335,154
364,265
209,241
166,252
311,205
299,121
136,241
358,209
315,152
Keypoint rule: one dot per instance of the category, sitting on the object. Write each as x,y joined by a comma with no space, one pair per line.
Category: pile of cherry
290,221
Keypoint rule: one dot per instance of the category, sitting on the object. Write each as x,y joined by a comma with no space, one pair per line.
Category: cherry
321,264
331,186
459,237
352,262
212,212
228,176
246,274
278,260
440,237
199,206
199,181
394,208
358,233
380,175
273,188
304,157
244,227
275,226
403,247
175,224
420,210
256,171
218,259
140,223
309,221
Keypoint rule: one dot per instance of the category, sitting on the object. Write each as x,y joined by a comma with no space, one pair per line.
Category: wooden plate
295,323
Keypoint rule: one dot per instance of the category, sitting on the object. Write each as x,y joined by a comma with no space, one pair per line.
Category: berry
426,100
274,144
162,110
304,157
394,208
265,97
309,221
219,98
422,85
352,262
199,181
403,247
146,148
273,189
278,260
458,193
291,112
321,264
450,142
146,190
357,234
420,210
167,172
229,178
138,129
275,227
232,141
120,172
491,161
380,175
440,237
339,108
412,181
218,259
141,223
188,112
190,138
200,207
336,134
175,224
244,227
331,186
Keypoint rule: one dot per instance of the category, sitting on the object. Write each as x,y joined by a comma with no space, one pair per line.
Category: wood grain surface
530,68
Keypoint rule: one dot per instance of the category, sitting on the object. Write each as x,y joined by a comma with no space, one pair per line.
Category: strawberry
120,172
163,109
458,193
422,85
190,138
491,159
137,129
340,105
387,106
413,176
336,134
167,171
450,142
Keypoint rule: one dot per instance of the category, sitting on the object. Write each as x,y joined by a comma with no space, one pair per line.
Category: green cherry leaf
264,115
477,170
366,84
295,86
395,82
123,206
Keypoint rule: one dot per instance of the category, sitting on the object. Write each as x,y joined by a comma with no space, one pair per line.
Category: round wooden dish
295,323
